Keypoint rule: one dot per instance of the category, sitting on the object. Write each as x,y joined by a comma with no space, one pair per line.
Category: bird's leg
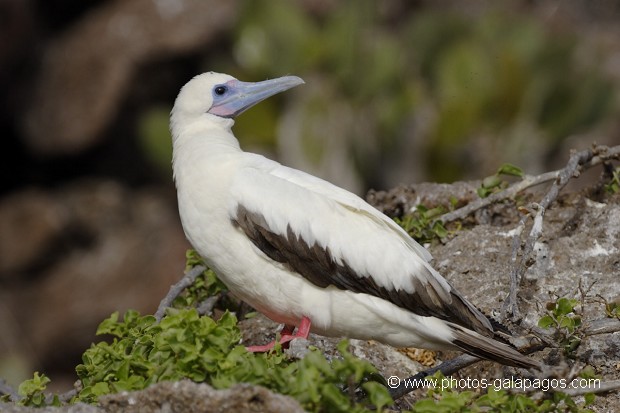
286,335
302,331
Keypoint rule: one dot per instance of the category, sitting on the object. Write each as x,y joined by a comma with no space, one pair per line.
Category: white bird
305,252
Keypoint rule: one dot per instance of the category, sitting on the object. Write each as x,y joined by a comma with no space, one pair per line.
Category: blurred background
396,91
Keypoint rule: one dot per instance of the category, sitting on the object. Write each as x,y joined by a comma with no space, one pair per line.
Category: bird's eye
220,90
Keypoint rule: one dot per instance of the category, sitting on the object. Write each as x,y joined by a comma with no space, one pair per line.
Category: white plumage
294,246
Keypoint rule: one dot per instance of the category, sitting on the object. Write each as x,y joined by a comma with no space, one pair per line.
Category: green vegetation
422,224
32,392
186,345
563,316
612,309
613,186
495,183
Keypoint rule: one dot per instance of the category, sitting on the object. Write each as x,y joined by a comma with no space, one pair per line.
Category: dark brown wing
317,265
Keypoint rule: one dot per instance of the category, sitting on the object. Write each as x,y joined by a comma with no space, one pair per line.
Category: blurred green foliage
31,392
613,186
502,78
612,310
154,137
497,86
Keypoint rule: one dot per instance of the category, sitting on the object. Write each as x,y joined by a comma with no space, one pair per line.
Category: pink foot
286,335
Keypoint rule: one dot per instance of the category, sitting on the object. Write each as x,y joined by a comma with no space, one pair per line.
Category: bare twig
577,162
591,157
206,306
510,305
528,181
68,395
601,326
187,280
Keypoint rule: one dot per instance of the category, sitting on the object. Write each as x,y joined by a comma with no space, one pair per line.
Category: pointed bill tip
293,80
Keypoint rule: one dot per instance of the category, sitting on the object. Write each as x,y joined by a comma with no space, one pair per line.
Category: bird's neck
202,143
206,133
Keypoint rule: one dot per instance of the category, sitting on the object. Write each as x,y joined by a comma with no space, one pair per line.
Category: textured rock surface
579,249
189,397
181,397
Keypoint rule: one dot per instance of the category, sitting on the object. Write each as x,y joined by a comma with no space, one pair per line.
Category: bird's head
224,96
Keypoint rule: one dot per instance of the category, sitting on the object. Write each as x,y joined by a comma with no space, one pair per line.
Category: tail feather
488,348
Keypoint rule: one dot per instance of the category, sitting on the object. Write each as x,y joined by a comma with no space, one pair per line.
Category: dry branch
187,280
578,162
597,155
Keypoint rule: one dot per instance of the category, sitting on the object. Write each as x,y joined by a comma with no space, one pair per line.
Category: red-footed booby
305,252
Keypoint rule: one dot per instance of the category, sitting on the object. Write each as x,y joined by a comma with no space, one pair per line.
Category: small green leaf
546,321
491,182
612,309
568,323
32,390
565,306
483,192
509,169
377,394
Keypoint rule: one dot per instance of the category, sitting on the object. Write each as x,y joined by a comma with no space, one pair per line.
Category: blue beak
234,97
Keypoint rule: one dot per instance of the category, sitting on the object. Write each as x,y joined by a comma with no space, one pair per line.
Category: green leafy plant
612,309
31,392
495,183
613,186
186,345
562,316
143,352
422,224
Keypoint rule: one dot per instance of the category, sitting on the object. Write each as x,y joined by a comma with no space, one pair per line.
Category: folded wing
332,237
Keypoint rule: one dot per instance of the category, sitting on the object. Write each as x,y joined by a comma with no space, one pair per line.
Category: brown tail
490,349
